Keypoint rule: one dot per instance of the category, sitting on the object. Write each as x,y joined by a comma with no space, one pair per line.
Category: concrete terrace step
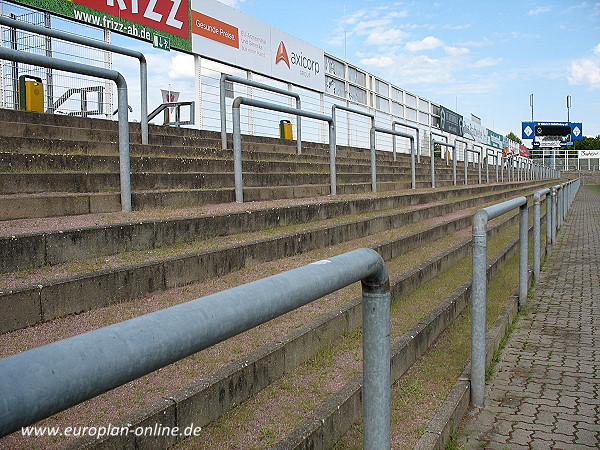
20,206
204,399
45,162
49,247
106,286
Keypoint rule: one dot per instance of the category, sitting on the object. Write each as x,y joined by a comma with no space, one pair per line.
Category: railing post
523,253
479,307
373,160
376,360
237,153
479,286
432,159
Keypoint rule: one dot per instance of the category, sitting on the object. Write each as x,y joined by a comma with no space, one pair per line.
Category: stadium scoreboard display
551,134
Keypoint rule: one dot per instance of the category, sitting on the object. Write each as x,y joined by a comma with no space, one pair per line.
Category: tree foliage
513,137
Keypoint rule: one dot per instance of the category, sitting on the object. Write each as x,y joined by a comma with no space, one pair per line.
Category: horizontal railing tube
237,138
83,69
94,43
43,381
223,112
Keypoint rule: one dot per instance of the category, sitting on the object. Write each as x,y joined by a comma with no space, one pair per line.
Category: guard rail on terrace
46,380
84,69
562,196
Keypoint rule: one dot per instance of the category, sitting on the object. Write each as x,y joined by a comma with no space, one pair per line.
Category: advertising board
141,19
475,131
588,154
495,140
450,121
222,33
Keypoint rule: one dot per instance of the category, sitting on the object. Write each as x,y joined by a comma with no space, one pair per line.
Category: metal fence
562,196
72,370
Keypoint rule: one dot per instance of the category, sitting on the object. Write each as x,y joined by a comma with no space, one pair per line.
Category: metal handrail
223,112
479,285
83,69
412,155
237,138
558,200
469,150
453,147
83,91
177,105
413,127
100,45
45,380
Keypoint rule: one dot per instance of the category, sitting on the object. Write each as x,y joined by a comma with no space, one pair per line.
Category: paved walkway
545,393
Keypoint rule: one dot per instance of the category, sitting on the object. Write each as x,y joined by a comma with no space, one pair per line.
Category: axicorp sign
137,18
224,34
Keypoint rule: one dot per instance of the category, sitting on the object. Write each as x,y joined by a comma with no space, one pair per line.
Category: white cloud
181,66
586,71
378,61
538,10
456,51
232,3
427,43
387,37
487,62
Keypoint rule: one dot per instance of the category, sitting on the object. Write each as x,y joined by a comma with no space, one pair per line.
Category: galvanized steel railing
237,139
69,37
43,381
558,200
223,111
84,69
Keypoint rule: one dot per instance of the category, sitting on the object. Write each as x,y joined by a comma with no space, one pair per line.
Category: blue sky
478,57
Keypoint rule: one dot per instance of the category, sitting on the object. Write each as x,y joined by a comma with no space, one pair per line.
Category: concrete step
60,245
77,293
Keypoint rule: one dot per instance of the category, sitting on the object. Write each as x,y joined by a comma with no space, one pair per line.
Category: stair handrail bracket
43,381
237,138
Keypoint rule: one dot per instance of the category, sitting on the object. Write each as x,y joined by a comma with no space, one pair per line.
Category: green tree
513,137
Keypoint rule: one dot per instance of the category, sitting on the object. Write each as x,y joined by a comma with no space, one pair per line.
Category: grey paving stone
548,391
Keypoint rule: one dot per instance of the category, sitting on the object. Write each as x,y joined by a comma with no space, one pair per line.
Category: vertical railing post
432,159
479,286
523,254
332,156
479,307
376,362
373,160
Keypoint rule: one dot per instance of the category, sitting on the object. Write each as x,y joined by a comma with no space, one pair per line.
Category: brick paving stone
545,387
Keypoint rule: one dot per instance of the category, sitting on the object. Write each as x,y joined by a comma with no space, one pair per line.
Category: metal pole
548,220
332,157
237,136
237,155
412,149
373,161
223,112
537,232
479,307
523,253
376,360
432,159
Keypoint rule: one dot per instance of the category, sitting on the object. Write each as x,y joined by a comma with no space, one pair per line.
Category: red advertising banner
170,16
523,151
